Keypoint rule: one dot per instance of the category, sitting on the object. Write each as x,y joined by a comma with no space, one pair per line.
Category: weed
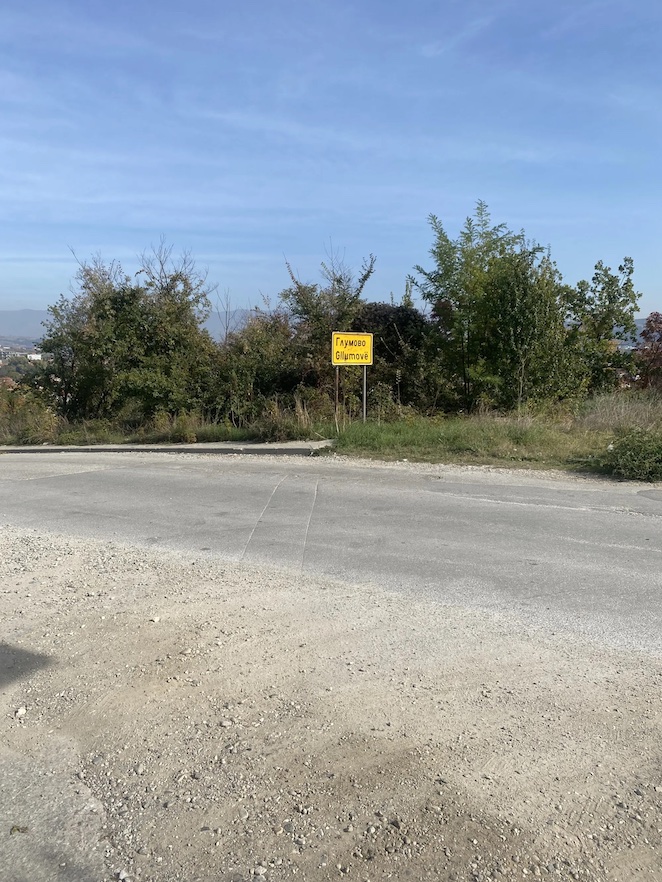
635,454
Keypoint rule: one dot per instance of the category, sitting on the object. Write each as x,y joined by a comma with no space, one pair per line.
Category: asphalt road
564,554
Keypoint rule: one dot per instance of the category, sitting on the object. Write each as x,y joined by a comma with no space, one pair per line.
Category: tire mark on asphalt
252,533
519,503
310,517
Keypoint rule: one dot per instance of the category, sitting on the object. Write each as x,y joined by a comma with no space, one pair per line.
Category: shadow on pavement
46,864
652,494
17,663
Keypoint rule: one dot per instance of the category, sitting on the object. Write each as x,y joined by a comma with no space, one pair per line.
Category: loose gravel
167,718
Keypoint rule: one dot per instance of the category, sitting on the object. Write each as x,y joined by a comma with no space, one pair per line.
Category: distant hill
221,324
24,325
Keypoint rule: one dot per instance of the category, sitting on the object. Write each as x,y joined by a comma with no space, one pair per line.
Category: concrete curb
218,448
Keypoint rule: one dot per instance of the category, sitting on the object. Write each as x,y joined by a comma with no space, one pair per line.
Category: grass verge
619,434
481,440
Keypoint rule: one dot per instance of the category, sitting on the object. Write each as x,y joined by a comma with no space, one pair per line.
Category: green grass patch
484,439
176,430
618,434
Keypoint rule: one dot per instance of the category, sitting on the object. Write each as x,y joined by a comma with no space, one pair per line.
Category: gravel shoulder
166,717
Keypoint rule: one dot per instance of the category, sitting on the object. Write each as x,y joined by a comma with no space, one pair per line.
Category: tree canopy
119,344
509,329
496,326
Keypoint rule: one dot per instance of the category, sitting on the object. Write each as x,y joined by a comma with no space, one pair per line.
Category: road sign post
348,350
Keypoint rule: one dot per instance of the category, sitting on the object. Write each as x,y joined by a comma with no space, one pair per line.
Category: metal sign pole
348,349
335,409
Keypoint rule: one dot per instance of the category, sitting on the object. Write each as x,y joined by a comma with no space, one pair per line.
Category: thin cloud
67,30
643,102
286,128
578,16
454,41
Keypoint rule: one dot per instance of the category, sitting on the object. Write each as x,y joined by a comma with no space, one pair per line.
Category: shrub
617,411
635,454
277,423
184,428
26,420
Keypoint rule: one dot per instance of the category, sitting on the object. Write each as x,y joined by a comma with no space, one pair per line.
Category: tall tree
175,364
399,337
317,310
81,377
600,314
525,351
116,343
648,353
458,287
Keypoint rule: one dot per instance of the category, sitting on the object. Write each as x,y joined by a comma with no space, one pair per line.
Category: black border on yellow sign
349,335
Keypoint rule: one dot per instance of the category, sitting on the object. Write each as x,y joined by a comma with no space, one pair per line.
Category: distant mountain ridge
21,325
26,323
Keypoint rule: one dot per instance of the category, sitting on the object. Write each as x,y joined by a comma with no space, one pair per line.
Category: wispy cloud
579,15
453,41
643,101
246,130
287,129
60,27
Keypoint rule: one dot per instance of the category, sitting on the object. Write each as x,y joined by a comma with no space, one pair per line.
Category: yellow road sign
348,349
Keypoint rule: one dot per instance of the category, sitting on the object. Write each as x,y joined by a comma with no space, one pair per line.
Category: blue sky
257,131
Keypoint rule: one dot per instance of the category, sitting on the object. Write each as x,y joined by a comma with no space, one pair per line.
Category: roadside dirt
171,718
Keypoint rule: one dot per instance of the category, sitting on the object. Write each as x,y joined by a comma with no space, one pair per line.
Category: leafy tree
509,330
455,288
601,313
17,367
648,353
525,350
256,364
80,338
174,367
316,310
497,306
119,346
399,335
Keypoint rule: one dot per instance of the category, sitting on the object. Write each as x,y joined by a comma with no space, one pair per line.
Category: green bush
25,419
278,423
184,428
635,454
